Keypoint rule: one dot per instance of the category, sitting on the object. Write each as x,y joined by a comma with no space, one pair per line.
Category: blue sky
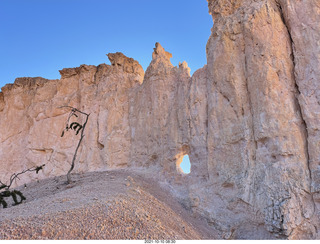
40,37
186,164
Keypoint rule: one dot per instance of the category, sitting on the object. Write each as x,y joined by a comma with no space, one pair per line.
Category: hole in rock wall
184,165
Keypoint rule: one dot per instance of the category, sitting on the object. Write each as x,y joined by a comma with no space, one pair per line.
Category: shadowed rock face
248,120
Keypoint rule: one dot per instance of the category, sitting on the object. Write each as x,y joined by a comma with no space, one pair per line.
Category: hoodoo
249,121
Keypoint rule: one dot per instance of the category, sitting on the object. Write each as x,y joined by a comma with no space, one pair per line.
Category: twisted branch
81,128
5,188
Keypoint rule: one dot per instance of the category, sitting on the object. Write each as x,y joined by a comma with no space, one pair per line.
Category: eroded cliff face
32,120
158,129
248,120
261,139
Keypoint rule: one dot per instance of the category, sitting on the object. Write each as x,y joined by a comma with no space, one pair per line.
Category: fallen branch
5,191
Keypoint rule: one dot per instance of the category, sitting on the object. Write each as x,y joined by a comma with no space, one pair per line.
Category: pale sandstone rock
158,114
248,120
31,120
2,104
257,136
302,20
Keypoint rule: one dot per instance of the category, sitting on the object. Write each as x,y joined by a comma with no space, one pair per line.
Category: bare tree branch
5,188
74,110
74,126
14,176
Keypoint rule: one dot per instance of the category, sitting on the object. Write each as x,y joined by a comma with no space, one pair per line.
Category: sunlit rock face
158,116
248,121
31,119
263,61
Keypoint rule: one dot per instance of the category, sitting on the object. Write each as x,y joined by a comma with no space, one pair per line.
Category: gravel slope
100,205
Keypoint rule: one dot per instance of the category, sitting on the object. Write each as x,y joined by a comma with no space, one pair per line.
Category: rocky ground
100,205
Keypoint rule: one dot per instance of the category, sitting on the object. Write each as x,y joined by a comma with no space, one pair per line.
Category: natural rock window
184,165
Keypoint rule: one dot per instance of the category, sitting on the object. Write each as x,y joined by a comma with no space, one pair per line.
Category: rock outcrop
261,140
249,120
32,120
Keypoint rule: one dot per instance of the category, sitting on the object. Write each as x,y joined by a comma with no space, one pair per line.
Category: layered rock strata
248,120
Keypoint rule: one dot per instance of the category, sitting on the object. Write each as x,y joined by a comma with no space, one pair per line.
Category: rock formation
261,140
249,120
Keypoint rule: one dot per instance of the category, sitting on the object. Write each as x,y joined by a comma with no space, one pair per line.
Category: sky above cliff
38,37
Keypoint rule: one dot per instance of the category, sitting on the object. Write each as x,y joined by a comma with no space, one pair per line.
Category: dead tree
5,188
77,128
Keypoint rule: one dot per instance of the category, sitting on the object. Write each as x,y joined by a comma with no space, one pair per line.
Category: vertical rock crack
304,124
